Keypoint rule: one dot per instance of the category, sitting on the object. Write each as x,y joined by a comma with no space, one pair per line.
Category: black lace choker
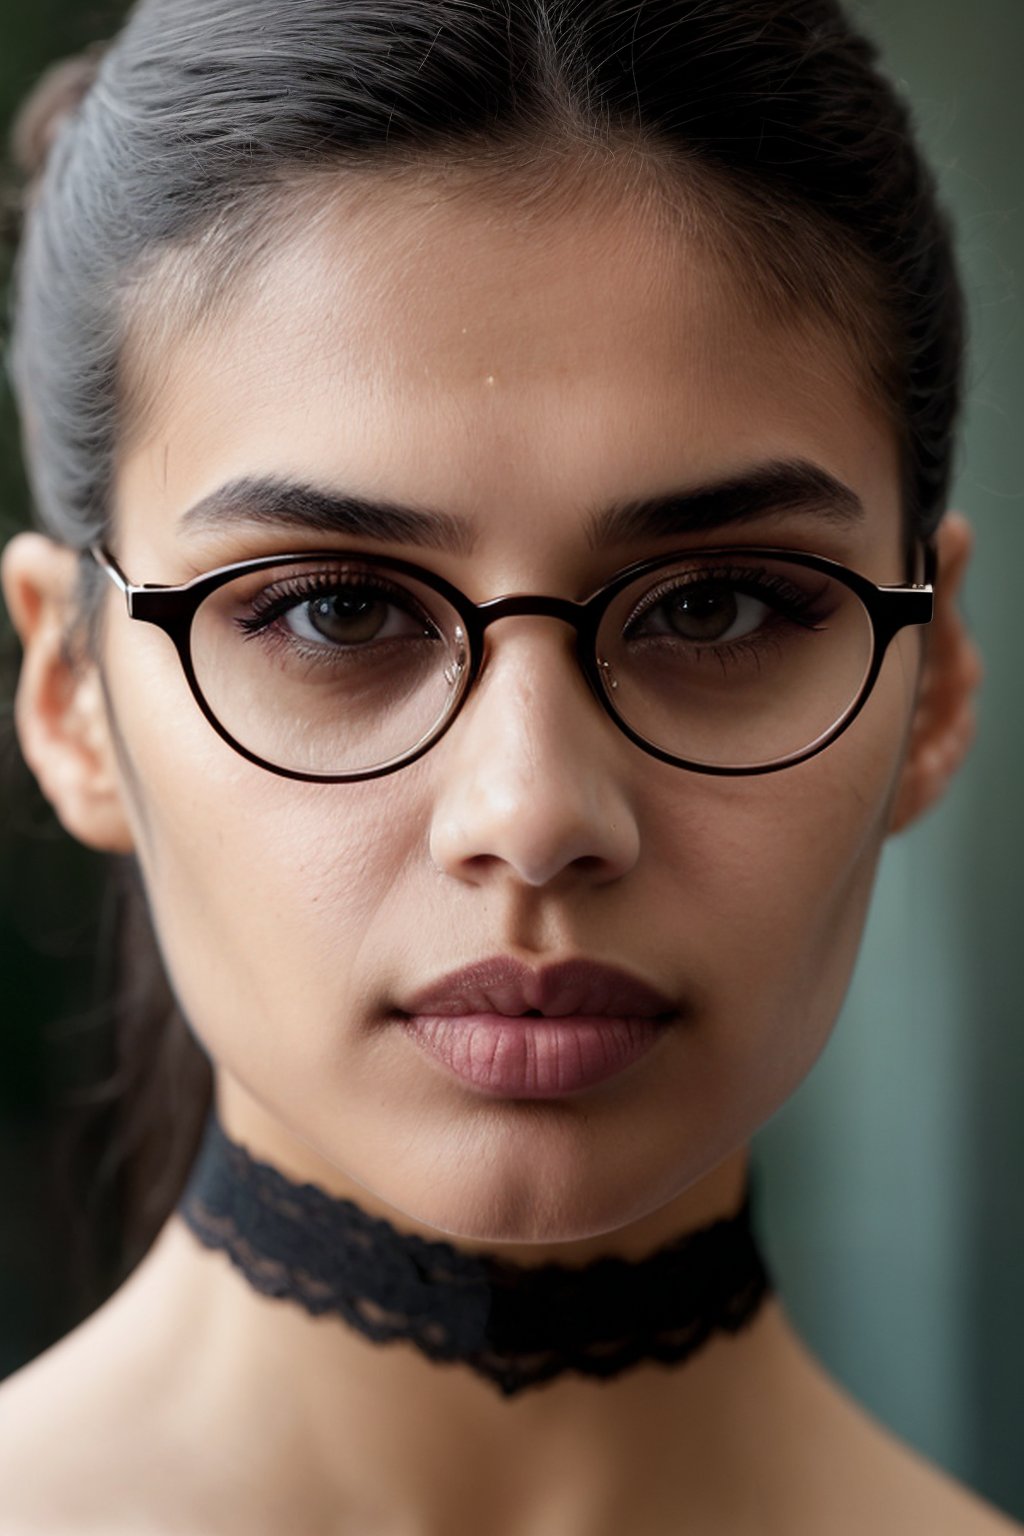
516,1326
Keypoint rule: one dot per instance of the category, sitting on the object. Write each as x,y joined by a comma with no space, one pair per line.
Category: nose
531,774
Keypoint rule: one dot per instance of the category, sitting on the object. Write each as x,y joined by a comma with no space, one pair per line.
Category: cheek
269,909
266,893
773,876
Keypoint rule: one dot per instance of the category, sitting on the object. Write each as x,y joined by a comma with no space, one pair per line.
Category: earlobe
60,711
943,726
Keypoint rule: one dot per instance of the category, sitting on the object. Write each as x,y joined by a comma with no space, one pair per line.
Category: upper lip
509,986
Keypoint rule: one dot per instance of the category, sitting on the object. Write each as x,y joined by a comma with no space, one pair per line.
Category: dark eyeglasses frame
173,609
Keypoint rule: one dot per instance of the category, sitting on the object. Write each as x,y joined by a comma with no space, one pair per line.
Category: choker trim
513,1325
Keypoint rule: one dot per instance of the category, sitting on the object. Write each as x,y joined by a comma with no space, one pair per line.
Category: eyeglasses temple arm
106,562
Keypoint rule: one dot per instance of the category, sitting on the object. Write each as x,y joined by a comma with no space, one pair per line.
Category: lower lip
533,1058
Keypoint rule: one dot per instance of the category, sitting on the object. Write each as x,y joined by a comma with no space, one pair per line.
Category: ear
60,711
943,726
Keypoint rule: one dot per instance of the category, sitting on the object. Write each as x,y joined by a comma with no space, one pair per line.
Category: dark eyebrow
793,485
279,503
775,487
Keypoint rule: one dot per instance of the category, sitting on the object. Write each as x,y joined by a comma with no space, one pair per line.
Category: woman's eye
352,616
703,613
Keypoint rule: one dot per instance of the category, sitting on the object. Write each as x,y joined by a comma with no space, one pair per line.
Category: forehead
482,353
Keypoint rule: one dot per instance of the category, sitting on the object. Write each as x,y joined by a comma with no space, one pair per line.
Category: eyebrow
273,501
780,486
793,485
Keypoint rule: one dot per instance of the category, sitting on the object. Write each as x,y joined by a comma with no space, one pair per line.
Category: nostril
590,863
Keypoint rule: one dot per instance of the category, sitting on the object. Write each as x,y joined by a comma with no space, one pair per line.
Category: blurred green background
890,1185
892,1181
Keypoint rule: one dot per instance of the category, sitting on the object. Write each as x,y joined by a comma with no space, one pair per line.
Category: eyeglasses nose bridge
520,604
580,618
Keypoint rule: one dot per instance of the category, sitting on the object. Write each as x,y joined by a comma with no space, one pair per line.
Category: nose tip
533,781
528,832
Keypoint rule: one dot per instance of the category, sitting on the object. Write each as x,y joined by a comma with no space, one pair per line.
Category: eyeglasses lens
328,668
341,667
735,663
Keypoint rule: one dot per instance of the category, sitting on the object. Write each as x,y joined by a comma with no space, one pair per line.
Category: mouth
511,1031
511,988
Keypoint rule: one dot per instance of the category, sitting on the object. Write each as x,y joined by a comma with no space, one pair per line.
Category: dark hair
771,117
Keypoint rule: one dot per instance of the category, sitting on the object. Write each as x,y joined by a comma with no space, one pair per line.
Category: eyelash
791,603
787,603
273,602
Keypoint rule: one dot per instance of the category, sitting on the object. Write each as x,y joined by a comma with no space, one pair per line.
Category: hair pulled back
200,106
202,111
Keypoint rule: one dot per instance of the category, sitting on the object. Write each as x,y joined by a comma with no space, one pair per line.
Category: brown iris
346,618
705,613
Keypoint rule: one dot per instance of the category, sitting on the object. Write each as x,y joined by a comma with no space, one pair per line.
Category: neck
326,1425
325,1419
516,1326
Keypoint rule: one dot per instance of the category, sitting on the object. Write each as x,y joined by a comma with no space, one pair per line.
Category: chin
498,1223
518,1203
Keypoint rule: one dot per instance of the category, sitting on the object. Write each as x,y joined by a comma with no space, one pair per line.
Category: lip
505,985
514,1032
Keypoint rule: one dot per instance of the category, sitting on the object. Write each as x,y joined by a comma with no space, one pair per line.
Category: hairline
807,275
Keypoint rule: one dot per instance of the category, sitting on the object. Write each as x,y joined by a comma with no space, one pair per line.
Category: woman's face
517,371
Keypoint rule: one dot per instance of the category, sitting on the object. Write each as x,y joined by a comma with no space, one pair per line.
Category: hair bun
56,95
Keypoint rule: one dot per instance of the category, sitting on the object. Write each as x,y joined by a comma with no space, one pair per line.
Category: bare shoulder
94,1413
63,1447
861,1477
927,1499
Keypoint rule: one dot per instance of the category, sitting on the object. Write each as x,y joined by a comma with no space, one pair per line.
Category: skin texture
516,371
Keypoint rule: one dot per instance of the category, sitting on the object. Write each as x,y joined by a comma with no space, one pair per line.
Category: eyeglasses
339,666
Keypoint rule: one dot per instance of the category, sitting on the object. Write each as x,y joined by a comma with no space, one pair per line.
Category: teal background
890,1184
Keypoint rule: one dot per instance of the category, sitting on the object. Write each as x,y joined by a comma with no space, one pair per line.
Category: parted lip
508,986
